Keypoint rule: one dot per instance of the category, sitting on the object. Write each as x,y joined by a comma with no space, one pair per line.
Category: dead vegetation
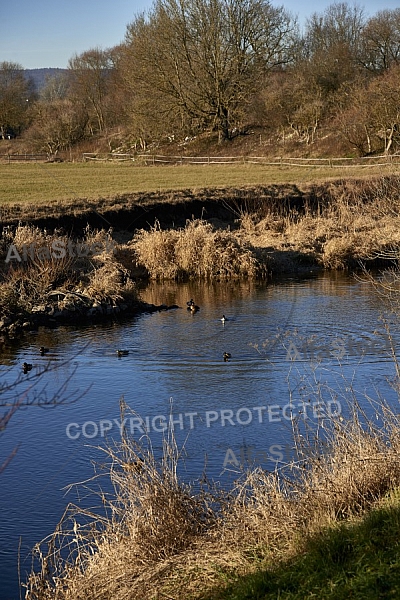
196,251
37,263
349,223
340,226
158,538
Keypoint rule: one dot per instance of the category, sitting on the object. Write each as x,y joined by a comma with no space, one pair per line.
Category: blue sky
47,33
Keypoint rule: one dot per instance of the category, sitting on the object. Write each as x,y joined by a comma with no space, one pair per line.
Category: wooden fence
23,158
158,159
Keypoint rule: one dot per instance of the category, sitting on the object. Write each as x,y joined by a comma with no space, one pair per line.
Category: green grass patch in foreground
42,183
358,560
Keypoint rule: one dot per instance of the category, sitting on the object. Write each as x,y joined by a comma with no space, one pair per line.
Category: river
301,348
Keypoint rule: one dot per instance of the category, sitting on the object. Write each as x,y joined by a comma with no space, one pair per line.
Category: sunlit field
45,183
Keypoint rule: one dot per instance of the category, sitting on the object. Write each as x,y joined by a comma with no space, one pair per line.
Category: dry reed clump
152,518
53,261
25,282
159,539
195,251
110,283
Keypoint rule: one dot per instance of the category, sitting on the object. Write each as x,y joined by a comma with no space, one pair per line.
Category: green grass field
45,183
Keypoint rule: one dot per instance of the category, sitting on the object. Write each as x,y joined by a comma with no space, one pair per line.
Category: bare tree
370,114
381,41
383,95
57,125
332,46
90,83
353,117
199,61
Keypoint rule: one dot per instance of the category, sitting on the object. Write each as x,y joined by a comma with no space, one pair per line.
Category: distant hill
40,76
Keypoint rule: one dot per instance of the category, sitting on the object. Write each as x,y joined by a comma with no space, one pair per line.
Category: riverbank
324,525
70,267
274,531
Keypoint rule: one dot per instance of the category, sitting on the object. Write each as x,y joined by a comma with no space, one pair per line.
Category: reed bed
337,227
349,223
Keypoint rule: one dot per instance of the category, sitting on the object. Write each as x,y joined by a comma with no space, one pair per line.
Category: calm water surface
300,348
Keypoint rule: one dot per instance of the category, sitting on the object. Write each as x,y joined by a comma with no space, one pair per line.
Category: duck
192,306
227,356
122,352
26,367
43,350
224,318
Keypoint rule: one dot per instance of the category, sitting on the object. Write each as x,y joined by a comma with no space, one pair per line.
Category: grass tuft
197,251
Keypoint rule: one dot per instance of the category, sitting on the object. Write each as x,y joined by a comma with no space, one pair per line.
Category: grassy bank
357,558
325,525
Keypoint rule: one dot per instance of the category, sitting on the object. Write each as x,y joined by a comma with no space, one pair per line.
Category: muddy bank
172,208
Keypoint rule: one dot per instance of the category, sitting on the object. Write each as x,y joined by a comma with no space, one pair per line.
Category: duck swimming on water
192,306
122,352
26,367
227,356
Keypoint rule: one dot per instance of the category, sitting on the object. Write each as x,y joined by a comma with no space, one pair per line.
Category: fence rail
23,157
159,159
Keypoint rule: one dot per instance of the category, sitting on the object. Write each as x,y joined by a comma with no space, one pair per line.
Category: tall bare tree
332,45
197,62
90,83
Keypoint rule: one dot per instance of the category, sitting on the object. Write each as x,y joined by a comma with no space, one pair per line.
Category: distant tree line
192,66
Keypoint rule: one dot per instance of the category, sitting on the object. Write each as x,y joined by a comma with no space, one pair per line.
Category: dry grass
197,251
351,222
86,266
337,226
160,539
